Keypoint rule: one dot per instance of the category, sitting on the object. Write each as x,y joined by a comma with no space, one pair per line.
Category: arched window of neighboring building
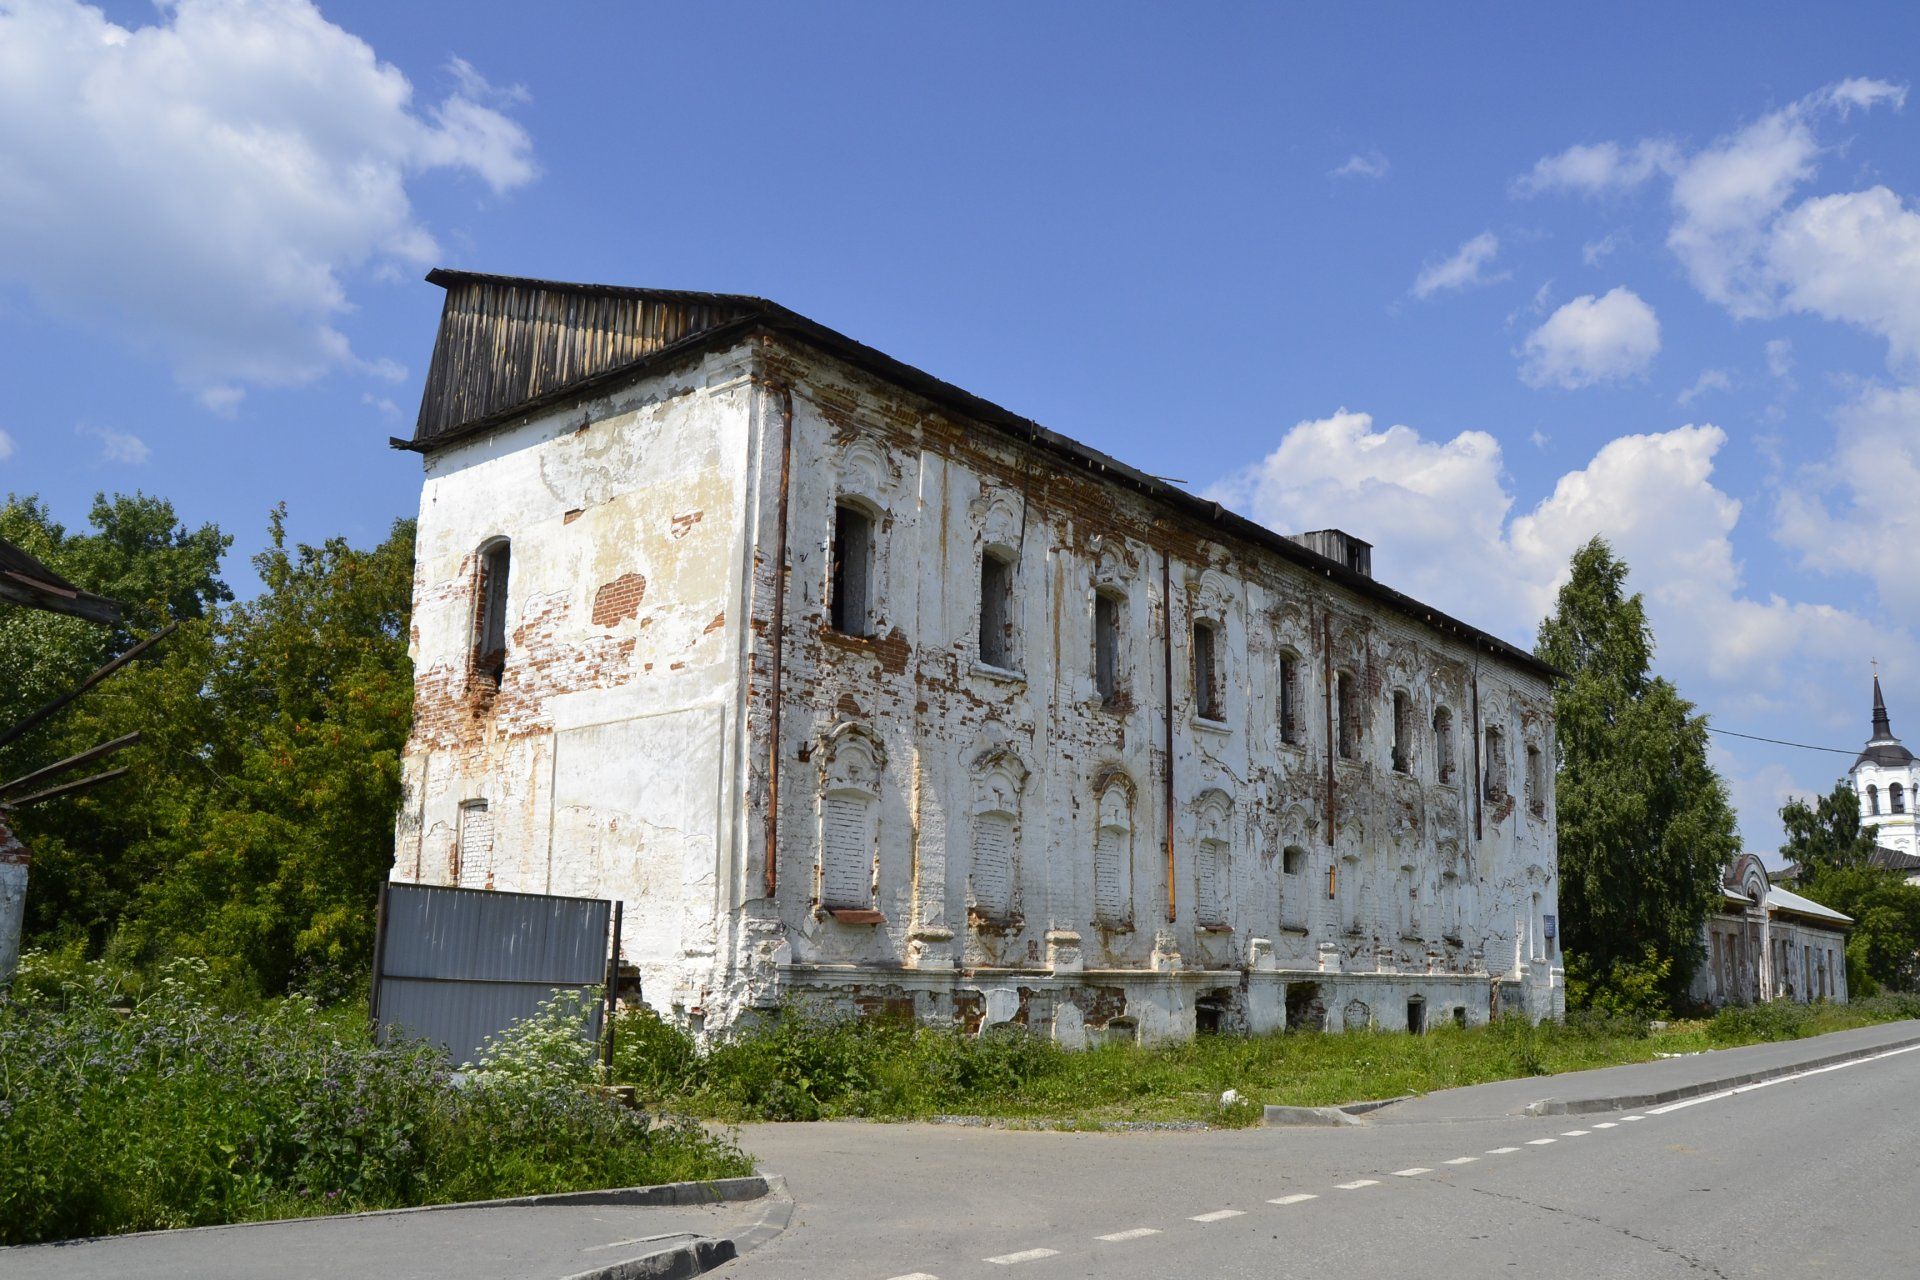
1896,799
1873,799
1443,744
490,608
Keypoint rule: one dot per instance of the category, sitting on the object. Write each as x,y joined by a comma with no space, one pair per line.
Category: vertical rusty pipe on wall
1166,601
771,881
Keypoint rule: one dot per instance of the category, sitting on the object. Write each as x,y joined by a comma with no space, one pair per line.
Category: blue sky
1472,283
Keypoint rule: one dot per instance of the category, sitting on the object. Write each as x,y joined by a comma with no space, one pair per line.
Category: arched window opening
1106,644
1348,713
1873,799
849,835
994,870
1496,765
490,609
1402,731
850,591
1443,744
1206,671
996,609
1896,798
1292,725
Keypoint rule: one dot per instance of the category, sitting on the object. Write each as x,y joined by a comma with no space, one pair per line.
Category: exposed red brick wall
619,599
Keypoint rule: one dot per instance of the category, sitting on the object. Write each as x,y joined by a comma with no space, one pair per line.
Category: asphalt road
1804,1176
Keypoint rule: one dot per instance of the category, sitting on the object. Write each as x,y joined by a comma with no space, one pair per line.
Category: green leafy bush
1748,1023
177,1109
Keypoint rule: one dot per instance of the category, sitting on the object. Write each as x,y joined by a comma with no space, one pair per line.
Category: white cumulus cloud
1709,380
1598,168
204,185
1591,340
1465,268
117,446
1370,164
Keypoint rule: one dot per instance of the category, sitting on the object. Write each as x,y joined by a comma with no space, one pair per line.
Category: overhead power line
1782,742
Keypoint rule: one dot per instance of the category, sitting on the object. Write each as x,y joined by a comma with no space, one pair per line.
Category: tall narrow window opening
1349,715
1206,672
850,604
1496,765
1443,744
1873,799
490,611
1402,732
996,610
1896,799
1536,782
1291,726
1106,644
1293,887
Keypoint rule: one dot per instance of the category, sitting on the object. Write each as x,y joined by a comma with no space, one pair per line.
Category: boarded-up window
1206,671
1292,727
1106,645
846,850
1402,731
996,610
850,605
1443,744
993,864
490,609
1347,710
473,849
1210,874
1113,859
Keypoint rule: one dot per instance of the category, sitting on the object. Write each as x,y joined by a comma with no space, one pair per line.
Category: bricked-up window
1106,644
1292,726
1896,799
994,874
1293,889
849,804
1443,748
1206,671
851,604
1113,858
490,609
996,609
1210,873
1402,731
473,846
1347,708
1536,782
1496,765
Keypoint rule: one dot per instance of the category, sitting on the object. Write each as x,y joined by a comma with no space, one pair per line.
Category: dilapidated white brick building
860,690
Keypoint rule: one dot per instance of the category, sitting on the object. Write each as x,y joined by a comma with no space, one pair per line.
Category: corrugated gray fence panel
459,965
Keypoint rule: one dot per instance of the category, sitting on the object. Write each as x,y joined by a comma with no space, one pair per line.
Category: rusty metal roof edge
773,316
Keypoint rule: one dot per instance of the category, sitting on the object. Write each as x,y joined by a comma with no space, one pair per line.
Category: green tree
1826,835
256,824
1644,823
1883,947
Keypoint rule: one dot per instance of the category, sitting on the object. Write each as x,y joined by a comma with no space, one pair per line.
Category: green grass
809,1068
178,1107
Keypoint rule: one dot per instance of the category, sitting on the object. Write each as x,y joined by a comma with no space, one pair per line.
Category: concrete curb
699,1254
1634,1101
1278,1117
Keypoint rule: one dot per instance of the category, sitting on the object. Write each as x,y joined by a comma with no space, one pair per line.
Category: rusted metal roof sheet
25,581
503,318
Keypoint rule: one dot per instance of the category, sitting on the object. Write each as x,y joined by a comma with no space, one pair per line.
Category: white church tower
1884,777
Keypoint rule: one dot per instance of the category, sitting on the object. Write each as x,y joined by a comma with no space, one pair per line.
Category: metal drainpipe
771,881
1166,595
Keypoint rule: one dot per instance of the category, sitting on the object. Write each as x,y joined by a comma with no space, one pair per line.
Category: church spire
1882,729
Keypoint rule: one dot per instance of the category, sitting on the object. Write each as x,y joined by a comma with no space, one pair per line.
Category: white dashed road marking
1503,1151
1541,1142
1636,1117
1025,1255
1218,1215
1462,1160
1357,1183
1414,1172
1607,1124
1136,1234
916,1275
1296,1199
1575,1133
